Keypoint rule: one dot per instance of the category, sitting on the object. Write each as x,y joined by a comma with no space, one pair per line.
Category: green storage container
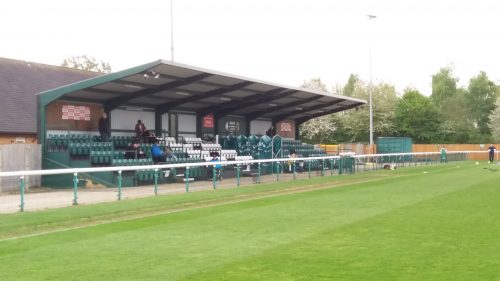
394,145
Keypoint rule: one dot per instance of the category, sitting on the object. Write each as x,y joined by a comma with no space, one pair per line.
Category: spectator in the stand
292,162
218,168
156,153
136,151
271,132
143,133
140,128
169,154
104,129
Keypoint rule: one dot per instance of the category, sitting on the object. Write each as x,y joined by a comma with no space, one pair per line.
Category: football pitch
435,222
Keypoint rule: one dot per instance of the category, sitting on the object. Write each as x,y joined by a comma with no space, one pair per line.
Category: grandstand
193,111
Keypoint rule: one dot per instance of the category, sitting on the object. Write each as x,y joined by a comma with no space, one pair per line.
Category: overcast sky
281,41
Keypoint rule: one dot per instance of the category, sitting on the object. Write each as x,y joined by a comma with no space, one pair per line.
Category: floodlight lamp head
155,74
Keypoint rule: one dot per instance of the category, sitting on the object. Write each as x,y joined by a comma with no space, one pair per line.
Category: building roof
164,85
20,81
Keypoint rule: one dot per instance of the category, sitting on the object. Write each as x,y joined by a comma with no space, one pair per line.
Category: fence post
156,181
238,167
187,179
294,169
309,168
119,185
341,165
277,172
75,188
331,167
214,177
21,191
322,167
258,175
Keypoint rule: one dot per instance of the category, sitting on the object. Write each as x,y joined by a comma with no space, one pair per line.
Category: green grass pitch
439,222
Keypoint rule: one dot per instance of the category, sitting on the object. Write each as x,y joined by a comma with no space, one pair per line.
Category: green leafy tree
354,125
417,117
317,130
86,63
457,125
495,120
315,84
349,88
481,100
444,86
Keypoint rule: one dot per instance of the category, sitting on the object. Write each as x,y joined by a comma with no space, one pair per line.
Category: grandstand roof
164,85
20,81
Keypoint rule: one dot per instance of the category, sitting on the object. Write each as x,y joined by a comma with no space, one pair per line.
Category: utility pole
370,87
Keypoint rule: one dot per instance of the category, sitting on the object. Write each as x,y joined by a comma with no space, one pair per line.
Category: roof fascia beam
165,107
118,101
304,119
268,97
259,113
238,103
295,112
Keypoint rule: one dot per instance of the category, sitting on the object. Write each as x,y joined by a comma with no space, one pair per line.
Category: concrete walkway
37,199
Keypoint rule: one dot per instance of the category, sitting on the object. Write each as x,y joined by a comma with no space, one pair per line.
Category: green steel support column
156,181
158,123
277,171
238,168
331,167
75,188
214,177
258,175
294,170
21,191
119,185
322,167
341,165
309,168
187,179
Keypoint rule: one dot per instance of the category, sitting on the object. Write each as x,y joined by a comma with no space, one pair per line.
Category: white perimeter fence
377,160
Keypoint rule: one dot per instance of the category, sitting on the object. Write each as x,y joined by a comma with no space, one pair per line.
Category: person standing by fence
104,129
443,154
491,153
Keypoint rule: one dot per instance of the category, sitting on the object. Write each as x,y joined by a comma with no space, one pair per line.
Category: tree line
451,114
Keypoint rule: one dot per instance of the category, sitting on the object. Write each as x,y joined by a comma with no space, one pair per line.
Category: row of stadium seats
122,141
82,149
101,157
132,162
147,176
304,152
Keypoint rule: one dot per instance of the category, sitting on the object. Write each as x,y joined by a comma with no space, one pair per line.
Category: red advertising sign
74,112
208,121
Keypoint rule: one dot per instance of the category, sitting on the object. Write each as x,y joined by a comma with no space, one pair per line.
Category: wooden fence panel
19,157
481,156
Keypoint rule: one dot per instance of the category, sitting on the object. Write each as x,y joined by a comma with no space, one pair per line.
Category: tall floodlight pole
370,87
171,30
